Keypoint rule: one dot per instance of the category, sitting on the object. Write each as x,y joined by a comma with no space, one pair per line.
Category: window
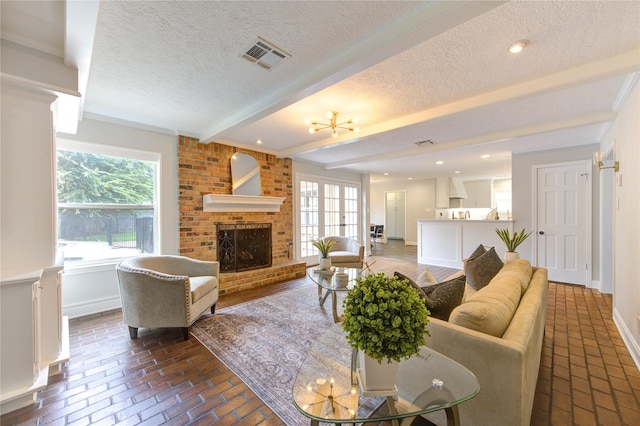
106,202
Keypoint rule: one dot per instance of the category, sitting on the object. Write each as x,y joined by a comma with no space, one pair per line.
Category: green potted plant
512,242
324,245
385,319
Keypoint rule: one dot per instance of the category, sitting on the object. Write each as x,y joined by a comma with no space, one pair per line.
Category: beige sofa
346,252
506,364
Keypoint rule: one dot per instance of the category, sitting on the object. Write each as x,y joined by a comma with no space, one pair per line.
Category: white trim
241,203
588,219
90,307
627,337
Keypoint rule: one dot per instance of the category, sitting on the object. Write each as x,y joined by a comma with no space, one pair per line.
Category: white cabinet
35,337
448,242
478,194
442,193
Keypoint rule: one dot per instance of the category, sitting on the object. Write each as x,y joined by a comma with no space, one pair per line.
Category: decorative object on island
385,320
323,246
512,242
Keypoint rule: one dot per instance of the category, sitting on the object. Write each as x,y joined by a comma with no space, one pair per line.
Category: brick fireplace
206,169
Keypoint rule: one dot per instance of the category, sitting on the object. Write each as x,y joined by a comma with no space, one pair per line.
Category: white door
563,221
325,208
394,214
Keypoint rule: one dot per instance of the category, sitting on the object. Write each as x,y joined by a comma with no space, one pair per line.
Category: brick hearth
206,169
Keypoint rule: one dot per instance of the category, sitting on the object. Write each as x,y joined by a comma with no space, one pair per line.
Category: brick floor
587,376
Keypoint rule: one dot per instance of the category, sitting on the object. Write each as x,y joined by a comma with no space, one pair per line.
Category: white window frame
116,151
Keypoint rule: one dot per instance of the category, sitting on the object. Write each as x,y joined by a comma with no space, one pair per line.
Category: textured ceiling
409,70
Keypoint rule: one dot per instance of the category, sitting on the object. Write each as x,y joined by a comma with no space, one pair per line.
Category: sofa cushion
440,298
344,256
489,310
481,269
200,286
519,272
479,251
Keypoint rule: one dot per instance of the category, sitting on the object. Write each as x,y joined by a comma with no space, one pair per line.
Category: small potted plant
324,245
385,319
512,242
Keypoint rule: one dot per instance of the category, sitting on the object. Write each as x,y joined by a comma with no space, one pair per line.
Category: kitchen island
448,242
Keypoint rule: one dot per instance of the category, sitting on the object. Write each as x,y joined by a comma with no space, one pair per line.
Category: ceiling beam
428,20
618,65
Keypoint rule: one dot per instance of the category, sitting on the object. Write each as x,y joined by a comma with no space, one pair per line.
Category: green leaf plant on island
512,241
385,318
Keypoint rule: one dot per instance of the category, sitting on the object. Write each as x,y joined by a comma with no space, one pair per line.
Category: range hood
456,189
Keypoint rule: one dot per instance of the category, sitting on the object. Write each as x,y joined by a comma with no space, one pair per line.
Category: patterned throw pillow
440,298
480,270
445,297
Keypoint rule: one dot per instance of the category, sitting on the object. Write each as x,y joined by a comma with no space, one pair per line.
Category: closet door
395,214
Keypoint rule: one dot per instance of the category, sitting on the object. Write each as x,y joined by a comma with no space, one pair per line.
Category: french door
325,208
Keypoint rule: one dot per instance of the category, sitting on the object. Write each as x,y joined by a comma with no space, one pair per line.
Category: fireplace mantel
241,203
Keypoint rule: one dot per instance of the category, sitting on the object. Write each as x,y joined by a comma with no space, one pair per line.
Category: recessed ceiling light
439,162
410,178
259,141
386,173
457,172
518,46
485,156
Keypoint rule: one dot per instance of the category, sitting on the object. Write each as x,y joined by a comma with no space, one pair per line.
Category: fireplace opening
242,247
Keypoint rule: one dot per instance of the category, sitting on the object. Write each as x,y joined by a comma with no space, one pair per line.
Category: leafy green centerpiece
385,318
512,241
323,246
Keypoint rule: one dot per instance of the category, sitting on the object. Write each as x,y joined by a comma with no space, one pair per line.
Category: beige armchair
166,291
346,252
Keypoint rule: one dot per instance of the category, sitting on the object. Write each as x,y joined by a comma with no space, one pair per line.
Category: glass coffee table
328,284
326,388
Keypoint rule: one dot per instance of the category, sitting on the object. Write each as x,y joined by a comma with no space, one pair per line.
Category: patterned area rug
265,341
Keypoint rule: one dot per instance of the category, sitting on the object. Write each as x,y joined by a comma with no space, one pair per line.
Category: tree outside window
105,206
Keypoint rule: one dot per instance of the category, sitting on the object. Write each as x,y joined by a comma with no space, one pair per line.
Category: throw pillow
482,269
440,298
402,276
479,251
426,278
443,298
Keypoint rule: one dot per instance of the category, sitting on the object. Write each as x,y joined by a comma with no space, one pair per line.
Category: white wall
91,289
522,194
27,197
624,135
420,203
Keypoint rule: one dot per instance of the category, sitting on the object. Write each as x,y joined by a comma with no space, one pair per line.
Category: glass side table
326,389
328,284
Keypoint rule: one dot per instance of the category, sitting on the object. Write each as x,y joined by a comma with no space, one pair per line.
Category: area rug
265,341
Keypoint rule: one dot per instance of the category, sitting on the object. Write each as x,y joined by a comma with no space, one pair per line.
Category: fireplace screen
242,247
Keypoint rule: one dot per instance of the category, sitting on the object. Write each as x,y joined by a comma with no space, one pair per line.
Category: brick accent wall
206,169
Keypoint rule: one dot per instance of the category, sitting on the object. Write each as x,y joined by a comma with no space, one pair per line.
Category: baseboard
91,307
627,337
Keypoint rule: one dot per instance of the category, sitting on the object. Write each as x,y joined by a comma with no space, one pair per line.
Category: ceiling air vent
428,141
265,54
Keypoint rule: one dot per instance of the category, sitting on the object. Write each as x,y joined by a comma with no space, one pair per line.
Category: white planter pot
325,263
376,376
510,256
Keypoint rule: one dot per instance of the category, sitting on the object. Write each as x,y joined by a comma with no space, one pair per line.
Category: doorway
562,206
395,206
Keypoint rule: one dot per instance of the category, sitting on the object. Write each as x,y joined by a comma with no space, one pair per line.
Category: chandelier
333,124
